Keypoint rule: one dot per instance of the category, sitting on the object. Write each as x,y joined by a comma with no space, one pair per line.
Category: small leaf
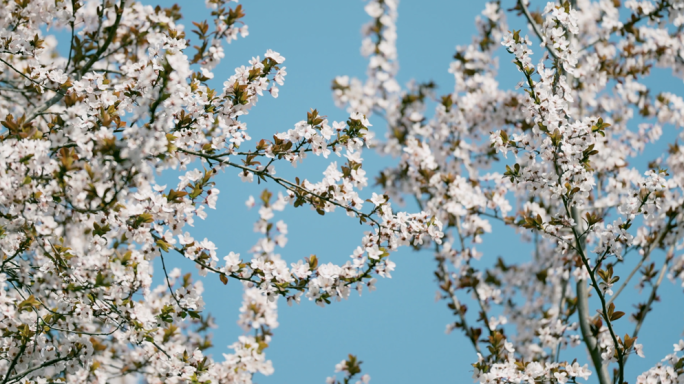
161,243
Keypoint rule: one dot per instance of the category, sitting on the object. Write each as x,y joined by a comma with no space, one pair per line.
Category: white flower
232,262
275,56
374,252
378,199
639,350
246,176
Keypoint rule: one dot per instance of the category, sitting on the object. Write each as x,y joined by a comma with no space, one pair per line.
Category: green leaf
161,243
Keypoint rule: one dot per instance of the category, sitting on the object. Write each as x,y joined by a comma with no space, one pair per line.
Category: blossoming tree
82,217
565,140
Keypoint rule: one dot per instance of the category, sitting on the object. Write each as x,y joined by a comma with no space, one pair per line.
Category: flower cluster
662,373
351,367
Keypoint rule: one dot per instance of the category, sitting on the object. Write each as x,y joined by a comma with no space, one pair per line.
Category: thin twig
541,37
30,79
19,376
663,271
168,283
56,98
650,249
285,183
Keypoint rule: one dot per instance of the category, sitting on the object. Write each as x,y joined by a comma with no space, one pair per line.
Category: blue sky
398,330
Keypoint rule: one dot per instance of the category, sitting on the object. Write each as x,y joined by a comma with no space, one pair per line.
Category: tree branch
583,313
285,183
652,246
56,98
541,37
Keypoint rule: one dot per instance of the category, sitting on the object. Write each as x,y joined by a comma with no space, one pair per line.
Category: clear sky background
398,330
